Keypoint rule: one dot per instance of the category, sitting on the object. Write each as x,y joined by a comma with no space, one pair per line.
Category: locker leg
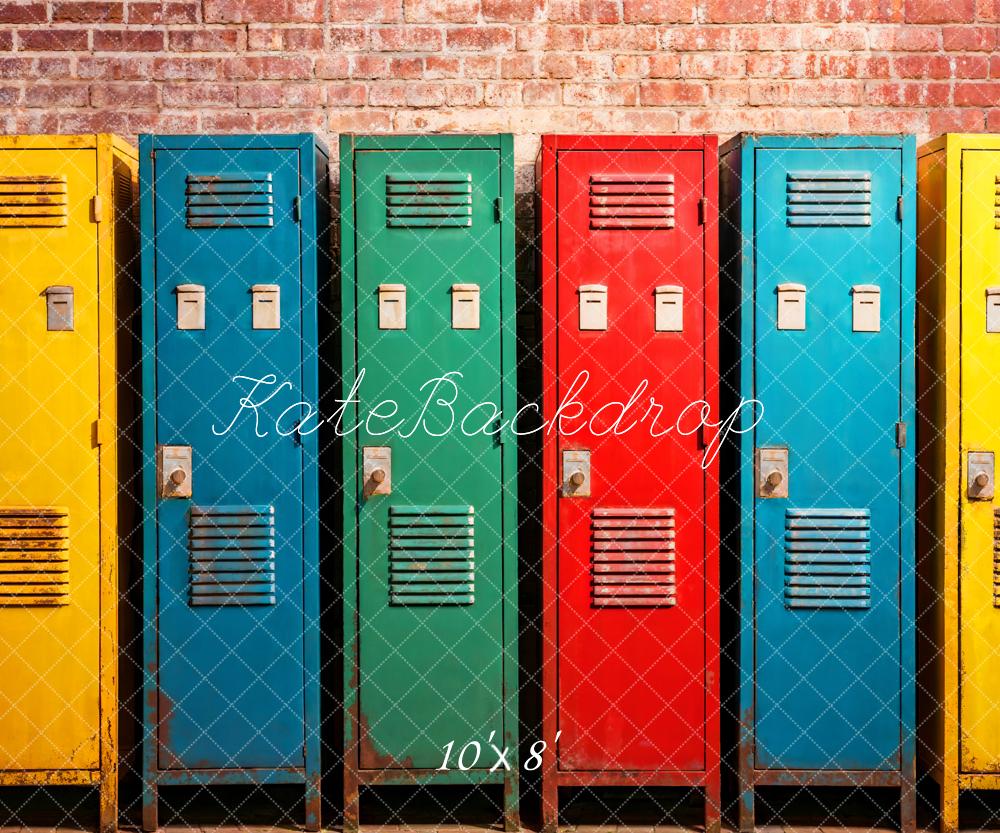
313,817
746,820
108,813
352,801
550,804
908,807
949,805
713,806
150,816
511,803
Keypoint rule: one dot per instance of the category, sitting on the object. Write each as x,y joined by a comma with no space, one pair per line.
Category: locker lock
771,467
980,475
173,470
576,473
59,308
376,469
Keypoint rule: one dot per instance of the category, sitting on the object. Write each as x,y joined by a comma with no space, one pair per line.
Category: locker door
631,616
230,673
49,646
827,556
980,571
431,650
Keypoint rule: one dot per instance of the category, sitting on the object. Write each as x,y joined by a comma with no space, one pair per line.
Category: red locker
629,275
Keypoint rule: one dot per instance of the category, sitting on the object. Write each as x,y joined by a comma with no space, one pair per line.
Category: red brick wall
526,66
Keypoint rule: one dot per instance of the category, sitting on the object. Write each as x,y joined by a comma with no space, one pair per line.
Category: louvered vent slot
996,203
827,558
633,558
34,556
836,198
996,557
231,551
33,201
632,201
230,201
432,555
428,200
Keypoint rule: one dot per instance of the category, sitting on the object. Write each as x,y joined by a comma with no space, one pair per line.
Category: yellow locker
66,248
958,337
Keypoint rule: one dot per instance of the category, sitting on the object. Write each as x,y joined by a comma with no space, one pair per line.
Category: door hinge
900,435
498,209
899,208
96,209
99,432
702,211
305,751
297,209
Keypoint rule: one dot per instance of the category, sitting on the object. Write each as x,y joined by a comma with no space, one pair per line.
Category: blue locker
231,260
820,257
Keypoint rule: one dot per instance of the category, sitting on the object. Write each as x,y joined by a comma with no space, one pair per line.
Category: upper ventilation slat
432,555
632,201
829,198
34,556
828,558
632,557
230,201
436,200
231,556
33,202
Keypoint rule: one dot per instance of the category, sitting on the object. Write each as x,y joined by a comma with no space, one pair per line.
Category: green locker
430,560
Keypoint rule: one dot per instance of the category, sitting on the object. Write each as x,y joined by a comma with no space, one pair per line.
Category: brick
875,11
406,39
15,12
437,68
387,95
500,94
841,39
199,95
52,40
969,38
631,66
619,93
347,95
425,95
85,11
868,120
970,66
241,121
904,38
993,121
160,13
659,11
940,11
115,68
671,93
333,66
820,121
440,11
713,66
627,121
744,11
126,40
304,94
463,95
728,93
187,69
518,66
977,95
807,11
956,121
206,39
988,10
584,11
631,38
512,11
10,96
594,67
349,38
364,121
406,68
700,38
922,66
139,95
56,95
6,41
664,66
269,94
483,38
264,68
774,38
907,94
541,94
558,66
552,38
289,121
263,11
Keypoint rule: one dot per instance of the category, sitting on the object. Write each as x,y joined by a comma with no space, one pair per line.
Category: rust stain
165,714
371,758
313,803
